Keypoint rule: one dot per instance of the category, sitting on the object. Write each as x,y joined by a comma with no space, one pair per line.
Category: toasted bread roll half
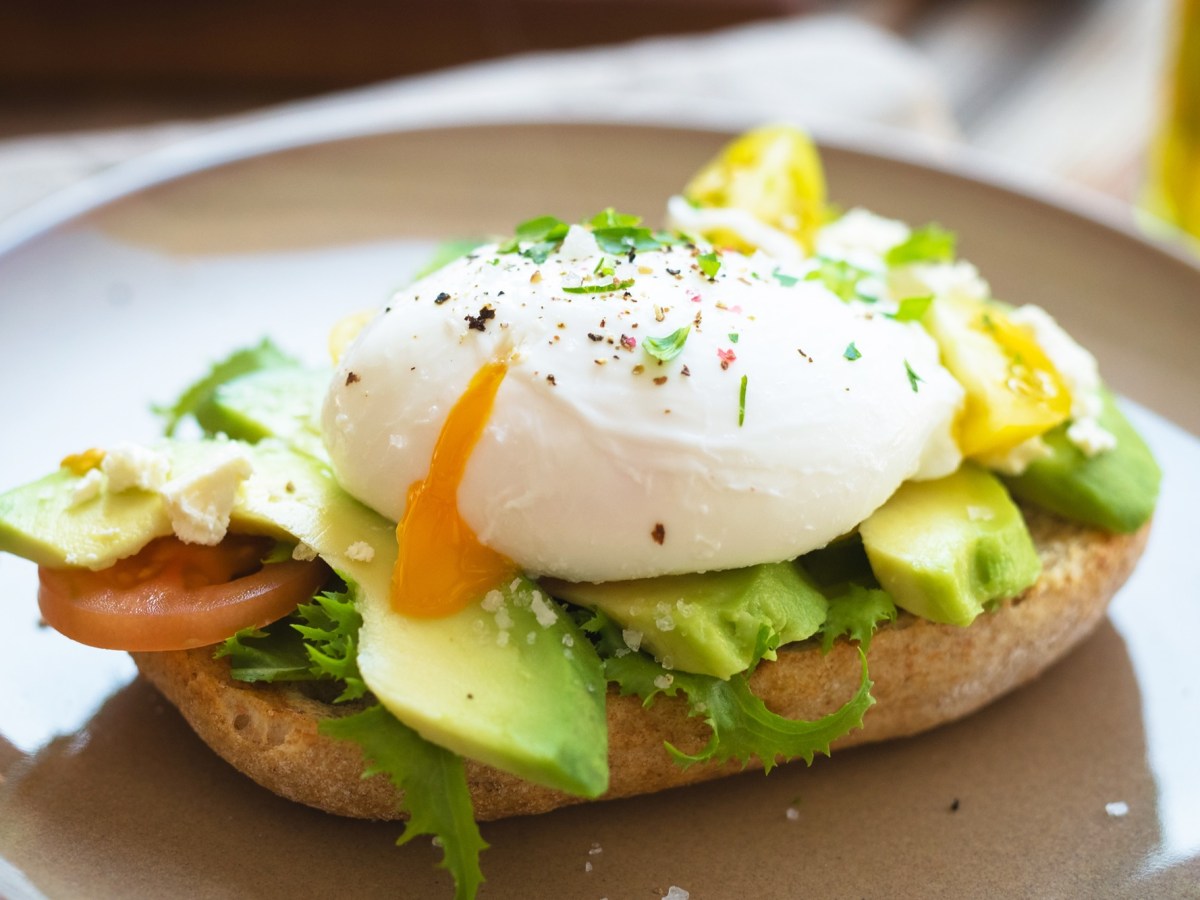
924,674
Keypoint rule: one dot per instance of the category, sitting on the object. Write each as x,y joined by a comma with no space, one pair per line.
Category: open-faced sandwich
599,509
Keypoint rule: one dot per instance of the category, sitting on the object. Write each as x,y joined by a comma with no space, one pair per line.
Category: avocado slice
944,549
1115,490
531,703
283,402
716,623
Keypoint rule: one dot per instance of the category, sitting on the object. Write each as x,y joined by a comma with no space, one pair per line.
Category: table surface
1066,89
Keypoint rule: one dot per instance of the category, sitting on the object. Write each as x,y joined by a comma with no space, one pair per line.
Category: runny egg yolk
442,566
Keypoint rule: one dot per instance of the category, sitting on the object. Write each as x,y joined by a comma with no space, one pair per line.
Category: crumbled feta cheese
542,611
1017,460
303,552
578,244
87,488
132,466
1090,437
632,638
200,502
492,601
360,551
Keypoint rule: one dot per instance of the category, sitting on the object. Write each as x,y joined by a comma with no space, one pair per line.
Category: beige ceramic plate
105,793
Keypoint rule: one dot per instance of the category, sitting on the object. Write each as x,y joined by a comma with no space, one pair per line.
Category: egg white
599,462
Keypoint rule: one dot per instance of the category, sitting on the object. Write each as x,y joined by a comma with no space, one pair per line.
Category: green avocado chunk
283,402
1115,490
716,623
509,681
944,549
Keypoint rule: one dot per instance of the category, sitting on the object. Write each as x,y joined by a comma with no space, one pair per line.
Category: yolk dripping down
442,566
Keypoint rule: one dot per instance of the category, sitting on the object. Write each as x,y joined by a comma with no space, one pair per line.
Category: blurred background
1072,88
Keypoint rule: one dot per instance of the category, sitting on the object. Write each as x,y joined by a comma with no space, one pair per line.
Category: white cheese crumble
492,601
87,488
579,244
542,611
1017,460
132,466
360,551
199,503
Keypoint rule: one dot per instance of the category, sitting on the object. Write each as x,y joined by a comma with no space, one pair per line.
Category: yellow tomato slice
1014,392
775,174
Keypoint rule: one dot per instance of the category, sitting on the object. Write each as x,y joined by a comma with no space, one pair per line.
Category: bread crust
924,675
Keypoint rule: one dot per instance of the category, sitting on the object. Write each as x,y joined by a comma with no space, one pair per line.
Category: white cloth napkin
825,72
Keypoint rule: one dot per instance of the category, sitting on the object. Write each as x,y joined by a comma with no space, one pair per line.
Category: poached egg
662,412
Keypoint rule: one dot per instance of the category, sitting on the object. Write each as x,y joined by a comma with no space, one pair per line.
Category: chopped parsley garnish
928,244
912,309
742,401
784,279
543,228
913,378
851,352
600,288
840,277
665,349
610,218
603,269
733,337
709,264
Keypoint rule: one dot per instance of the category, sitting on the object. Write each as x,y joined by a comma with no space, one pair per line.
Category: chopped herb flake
912,309
840,277
666,348
709,264
784,279
913,378
733,337
543,228
928,244
600,288
851,353
742,401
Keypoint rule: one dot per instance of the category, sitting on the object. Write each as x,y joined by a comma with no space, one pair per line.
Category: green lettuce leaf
742,726
274,653
318,641
241,362
856,613
434,783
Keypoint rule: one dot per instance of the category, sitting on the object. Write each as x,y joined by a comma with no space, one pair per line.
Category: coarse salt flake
303,552
1117,809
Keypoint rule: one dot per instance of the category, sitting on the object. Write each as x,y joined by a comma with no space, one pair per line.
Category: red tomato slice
174,596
